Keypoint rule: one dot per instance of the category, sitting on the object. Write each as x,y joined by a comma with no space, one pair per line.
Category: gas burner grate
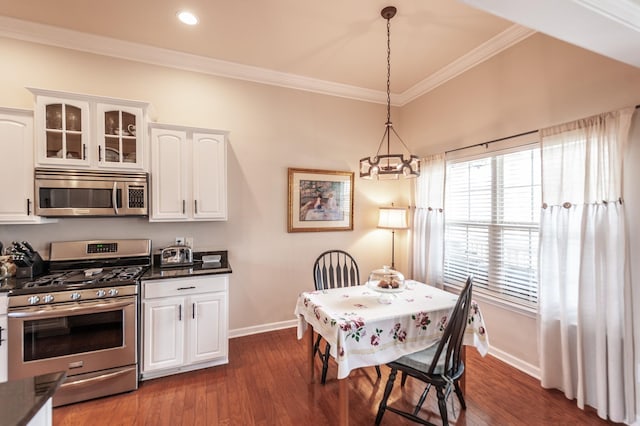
46,280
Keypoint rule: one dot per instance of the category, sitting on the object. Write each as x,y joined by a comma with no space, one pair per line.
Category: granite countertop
155,272
21,399
197,269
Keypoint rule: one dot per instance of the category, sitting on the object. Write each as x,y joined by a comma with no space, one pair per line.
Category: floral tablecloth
364,331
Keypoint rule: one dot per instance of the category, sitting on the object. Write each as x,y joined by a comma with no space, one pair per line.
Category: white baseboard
521,365
263,328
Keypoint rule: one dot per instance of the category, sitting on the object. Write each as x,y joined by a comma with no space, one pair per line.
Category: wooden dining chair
440,365
333,269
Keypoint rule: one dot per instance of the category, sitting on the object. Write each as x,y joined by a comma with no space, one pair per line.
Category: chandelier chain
388,71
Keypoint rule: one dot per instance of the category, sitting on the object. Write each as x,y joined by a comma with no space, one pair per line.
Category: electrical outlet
180,241
189,241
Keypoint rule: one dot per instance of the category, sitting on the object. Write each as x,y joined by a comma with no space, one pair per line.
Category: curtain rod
492,141
500,139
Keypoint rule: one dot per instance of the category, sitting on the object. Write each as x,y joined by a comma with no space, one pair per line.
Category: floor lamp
392,218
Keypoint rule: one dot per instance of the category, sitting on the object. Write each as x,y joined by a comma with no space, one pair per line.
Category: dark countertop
197,269
155,272
21,399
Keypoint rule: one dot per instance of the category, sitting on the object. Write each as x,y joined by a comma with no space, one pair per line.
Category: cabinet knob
196,206
28,206
184,204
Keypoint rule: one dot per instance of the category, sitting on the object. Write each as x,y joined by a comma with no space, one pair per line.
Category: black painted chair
440,365
333,269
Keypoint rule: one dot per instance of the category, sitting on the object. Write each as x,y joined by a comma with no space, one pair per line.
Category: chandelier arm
386,132
400,139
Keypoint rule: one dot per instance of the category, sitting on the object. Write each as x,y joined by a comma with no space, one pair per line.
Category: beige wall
271,129
537,83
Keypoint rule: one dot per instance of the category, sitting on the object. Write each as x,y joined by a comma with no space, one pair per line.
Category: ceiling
332,46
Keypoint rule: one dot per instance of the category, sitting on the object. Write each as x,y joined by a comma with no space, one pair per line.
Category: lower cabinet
184,324
44,416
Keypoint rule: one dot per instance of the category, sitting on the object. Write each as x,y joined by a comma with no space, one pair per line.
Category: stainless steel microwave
80,193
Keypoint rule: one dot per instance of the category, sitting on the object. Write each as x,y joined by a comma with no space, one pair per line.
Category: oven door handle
54,311
70,383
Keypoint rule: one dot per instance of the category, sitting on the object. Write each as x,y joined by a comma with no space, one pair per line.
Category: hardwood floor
266,383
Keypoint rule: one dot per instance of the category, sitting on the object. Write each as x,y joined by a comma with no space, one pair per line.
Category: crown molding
511,36
626,12
68,39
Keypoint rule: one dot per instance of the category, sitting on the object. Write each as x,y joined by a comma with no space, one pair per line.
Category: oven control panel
102,248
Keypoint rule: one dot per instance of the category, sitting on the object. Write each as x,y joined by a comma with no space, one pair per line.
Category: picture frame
320,200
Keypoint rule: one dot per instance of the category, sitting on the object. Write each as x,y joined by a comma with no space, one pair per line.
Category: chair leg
421,400
442,404
387,391
317,345
460,395
404,379
378,371
325,364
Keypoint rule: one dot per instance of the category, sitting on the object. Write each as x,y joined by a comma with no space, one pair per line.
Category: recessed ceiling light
187,17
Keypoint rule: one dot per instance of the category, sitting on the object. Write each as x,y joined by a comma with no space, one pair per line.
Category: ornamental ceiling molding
75,40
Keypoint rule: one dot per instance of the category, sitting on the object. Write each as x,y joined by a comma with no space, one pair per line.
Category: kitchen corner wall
537,83
271,129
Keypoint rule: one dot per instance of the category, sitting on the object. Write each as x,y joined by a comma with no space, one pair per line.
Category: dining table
368,326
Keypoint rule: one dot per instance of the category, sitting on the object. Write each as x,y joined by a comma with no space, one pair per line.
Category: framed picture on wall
320,200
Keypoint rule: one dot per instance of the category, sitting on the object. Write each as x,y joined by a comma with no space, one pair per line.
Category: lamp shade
392,218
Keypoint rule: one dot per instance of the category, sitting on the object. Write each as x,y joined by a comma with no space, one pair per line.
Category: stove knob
48,298
113,292
75,296
33,300
101,293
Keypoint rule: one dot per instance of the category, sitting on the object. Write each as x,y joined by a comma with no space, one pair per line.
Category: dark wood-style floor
266,383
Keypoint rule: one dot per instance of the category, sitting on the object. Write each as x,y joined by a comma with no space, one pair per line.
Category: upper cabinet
16,146
84,131
188,173
119,143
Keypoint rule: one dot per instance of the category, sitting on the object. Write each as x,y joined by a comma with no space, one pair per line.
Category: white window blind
492,215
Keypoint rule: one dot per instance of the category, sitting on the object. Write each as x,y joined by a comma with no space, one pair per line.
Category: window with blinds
492,215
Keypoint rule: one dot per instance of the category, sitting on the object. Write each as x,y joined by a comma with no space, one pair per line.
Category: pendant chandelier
389,166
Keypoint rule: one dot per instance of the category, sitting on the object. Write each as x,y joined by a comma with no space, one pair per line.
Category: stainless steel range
81,318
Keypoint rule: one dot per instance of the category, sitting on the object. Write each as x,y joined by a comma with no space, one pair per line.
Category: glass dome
386,279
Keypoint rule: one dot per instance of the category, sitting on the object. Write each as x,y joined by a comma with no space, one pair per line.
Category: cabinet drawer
184,286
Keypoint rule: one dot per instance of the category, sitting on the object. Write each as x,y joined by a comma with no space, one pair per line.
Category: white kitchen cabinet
16,146
188,174
184,324
83,131
164,333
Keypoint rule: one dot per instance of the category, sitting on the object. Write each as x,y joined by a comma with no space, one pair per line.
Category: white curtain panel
428,222
585,329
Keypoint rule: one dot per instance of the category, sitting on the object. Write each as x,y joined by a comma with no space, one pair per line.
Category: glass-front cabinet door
63,134
89,132
119,136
